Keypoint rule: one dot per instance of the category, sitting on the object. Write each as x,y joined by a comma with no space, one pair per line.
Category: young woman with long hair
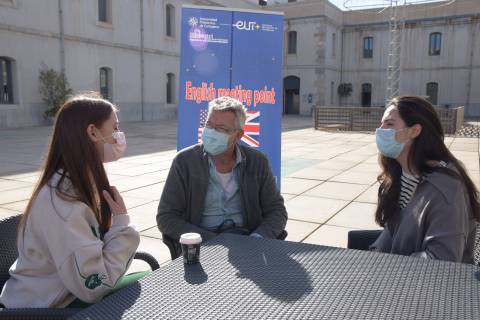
74,240
427,203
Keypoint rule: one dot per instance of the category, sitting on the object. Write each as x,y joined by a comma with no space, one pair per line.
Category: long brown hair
427,146
73,155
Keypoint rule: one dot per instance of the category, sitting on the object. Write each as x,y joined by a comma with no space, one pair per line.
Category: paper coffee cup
190,247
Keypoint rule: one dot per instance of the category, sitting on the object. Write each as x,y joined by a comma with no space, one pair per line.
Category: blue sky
339,3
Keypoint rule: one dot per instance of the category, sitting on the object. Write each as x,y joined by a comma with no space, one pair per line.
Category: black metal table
246,278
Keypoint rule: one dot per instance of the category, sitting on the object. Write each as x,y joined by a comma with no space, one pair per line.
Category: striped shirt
409,184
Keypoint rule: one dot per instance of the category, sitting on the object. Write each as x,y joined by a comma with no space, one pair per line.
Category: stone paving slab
328,178
329,236
144,216
315,173
12,184
152,232
5,213
14,195
15,206
355,177
357,215
298,186
335,164
337,190
313,209
370,195
299,230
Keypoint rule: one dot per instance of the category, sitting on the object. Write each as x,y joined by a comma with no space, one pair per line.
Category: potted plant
54,89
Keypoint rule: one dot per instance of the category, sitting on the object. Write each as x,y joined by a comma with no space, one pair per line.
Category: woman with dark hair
427,204
74,240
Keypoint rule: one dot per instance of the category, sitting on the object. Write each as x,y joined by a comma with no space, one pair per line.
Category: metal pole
475,21
396,26
62,39
142,63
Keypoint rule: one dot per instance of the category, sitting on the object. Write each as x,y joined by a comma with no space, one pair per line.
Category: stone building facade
129,51
440,55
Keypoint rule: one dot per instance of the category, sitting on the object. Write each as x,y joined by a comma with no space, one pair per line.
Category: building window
106,83
170,20
6,81
435,44
170,87
334,44
292,42
366,95
105,11
368,47
291,95
432,92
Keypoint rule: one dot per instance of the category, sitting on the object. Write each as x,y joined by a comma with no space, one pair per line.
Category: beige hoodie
61,256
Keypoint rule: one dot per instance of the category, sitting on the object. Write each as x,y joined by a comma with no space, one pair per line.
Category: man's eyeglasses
221,129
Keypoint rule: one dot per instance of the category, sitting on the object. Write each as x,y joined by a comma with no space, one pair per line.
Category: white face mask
114,151
214,142
387,144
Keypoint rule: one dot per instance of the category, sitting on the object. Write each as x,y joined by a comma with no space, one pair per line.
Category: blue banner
237,54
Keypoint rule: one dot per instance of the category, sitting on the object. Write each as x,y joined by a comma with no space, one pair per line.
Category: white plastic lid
190,238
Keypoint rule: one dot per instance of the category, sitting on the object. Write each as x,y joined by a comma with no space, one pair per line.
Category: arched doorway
291,102
366,95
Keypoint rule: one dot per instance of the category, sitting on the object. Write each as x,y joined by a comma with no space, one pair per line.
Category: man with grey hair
219,185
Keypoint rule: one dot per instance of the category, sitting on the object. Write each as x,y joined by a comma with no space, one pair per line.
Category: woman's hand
116,204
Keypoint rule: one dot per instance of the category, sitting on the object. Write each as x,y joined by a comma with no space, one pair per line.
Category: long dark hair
427,146
73,154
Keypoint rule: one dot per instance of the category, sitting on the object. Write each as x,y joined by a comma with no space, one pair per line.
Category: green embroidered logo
93,281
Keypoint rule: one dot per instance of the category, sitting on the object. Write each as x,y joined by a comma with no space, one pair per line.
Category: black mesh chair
176,250
362,239
476,250
172,245
8,255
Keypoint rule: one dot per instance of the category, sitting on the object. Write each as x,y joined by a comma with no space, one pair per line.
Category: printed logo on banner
200,33
251,129
193,22
246,25
253,26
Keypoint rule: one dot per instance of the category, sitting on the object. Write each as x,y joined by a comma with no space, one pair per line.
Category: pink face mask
114,151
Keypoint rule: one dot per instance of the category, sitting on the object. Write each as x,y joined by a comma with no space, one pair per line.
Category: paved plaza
328,178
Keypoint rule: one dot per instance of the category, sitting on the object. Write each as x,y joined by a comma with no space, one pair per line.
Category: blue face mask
214,142
386,143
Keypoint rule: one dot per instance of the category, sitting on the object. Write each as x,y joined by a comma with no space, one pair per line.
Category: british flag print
202,120
251,129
